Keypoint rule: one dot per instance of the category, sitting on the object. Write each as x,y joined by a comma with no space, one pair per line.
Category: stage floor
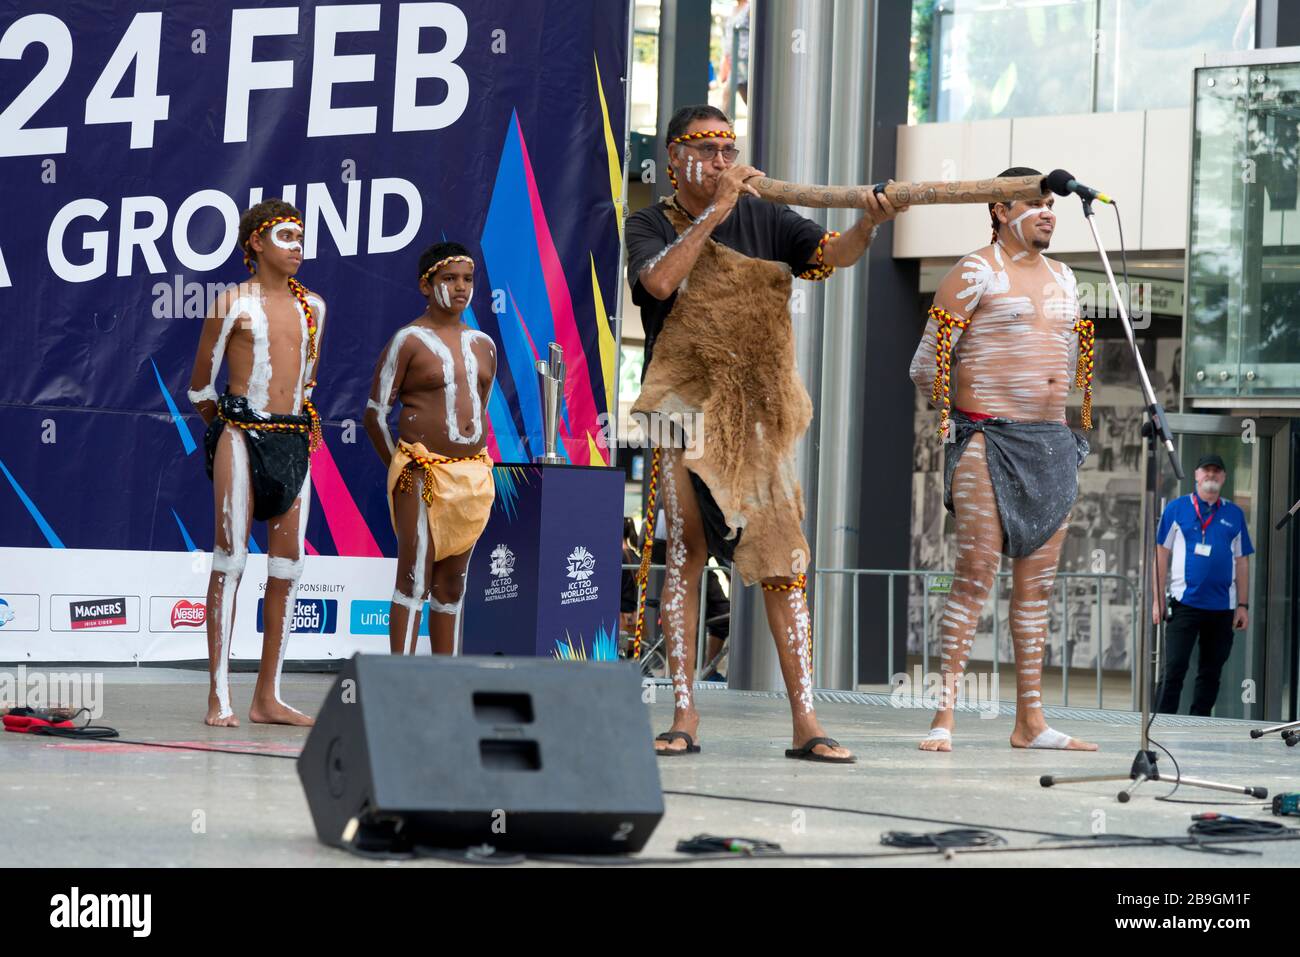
101,804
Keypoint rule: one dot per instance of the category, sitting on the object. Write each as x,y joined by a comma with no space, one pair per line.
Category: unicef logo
503,562
6,613
582,564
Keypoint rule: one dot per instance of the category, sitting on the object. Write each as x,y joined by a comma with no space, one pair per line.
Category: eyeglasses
708,151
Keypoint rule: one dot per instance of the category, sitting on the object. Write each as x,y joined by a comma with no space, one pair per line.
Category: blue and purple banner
132,134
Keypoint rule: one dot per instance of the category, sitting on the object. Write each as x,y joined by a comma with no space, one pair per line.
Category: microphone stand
1156,431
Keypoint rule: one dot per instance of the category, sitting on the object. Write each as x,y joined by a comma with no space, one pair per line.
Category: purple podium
545,577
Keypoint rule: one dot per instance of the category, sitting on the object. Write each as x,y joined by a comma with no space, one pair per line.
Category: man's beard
1040,244
1213,488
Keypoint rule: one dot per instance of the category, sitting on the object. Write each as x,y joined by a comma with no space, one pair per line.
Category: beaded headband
702,135
442,262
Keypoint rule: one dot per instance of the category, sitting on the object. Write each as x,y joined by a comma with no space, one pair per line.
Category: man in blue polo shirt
1208,585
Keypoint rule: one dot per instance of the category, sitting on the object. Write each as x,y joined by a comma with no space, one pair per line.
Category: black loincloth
1034,469
277,461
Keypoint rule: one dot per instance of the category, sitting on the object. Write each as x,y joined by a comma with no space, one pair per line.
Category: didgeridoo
999,189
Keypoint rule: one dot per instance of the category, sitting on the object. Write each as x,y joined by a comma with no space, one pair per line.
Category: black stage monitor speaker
518,753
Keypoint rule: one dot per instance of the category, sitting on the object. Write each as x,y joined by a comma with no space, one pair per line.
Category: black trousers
1214,628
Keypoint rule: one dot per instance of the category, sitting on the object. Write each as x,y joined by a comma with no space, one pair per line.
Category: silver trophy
552,376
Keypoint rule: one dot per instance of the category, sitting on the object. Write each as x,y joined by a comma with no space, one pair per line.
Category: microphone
1063,184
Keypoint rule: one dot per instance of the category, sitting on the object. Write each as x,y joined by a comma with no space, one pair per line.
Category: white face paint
280,235
441,296
1017,224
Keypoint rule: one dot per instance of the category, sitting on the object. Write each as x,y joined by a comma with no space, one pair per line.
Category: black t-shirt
756,228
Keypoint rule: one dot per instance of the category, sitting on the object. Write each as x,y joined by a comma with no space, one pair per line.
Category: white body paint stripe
235,507
291,598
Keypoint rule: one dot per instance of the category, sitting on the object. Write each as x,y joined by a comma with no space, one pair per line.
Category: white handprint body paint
1016,357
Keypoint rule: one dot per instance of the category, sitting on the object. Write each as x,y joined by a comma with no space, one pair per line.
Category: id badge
1203,548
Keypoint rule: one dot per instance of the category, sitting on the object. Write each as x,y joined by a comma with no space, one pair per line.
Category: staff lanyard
1209,518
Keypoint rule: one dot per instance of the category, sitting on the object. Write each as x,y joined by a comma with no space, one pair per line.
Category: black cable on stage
956,837
1221,825
488,856
868,813
85,732
1114,840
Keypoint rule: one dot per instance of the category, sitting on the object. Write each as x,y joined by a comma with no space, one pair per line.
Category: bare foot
276,712
688,722
1036,734
214,717
940,736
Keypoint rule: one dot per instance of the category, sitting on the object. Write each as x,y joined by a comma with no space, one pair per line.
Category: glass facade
1017,58
1243,333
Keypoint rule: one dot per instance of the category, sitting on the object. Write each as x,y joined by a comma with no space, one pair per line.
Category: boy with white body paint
1006,324
258,443
440,486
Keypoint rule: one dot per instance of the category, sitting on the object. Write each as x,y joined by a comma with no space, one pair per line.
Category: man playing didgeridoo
711,268
1003,343
440,487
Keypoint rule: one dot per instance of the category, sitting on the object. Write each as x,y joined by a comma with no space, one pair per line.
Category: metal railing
701,626
1062,580
1062,584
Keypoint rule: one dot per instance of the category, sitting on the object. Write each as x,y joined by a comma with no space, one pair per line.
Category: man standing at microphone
1001,337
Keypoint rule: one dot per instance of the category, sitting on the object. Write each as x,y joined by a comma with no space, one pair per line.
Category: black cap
1211,460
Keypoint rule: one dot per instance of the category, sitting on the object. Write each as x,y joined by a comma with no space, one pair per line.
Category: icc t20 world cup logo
503,562
582,564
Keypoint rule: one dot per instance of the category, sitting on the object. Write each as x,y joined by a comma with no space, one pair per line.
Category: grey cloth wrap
1034,468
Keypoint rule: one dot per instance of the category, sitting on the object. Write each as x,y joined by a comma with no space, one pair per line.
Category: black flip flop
806,753
691,746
